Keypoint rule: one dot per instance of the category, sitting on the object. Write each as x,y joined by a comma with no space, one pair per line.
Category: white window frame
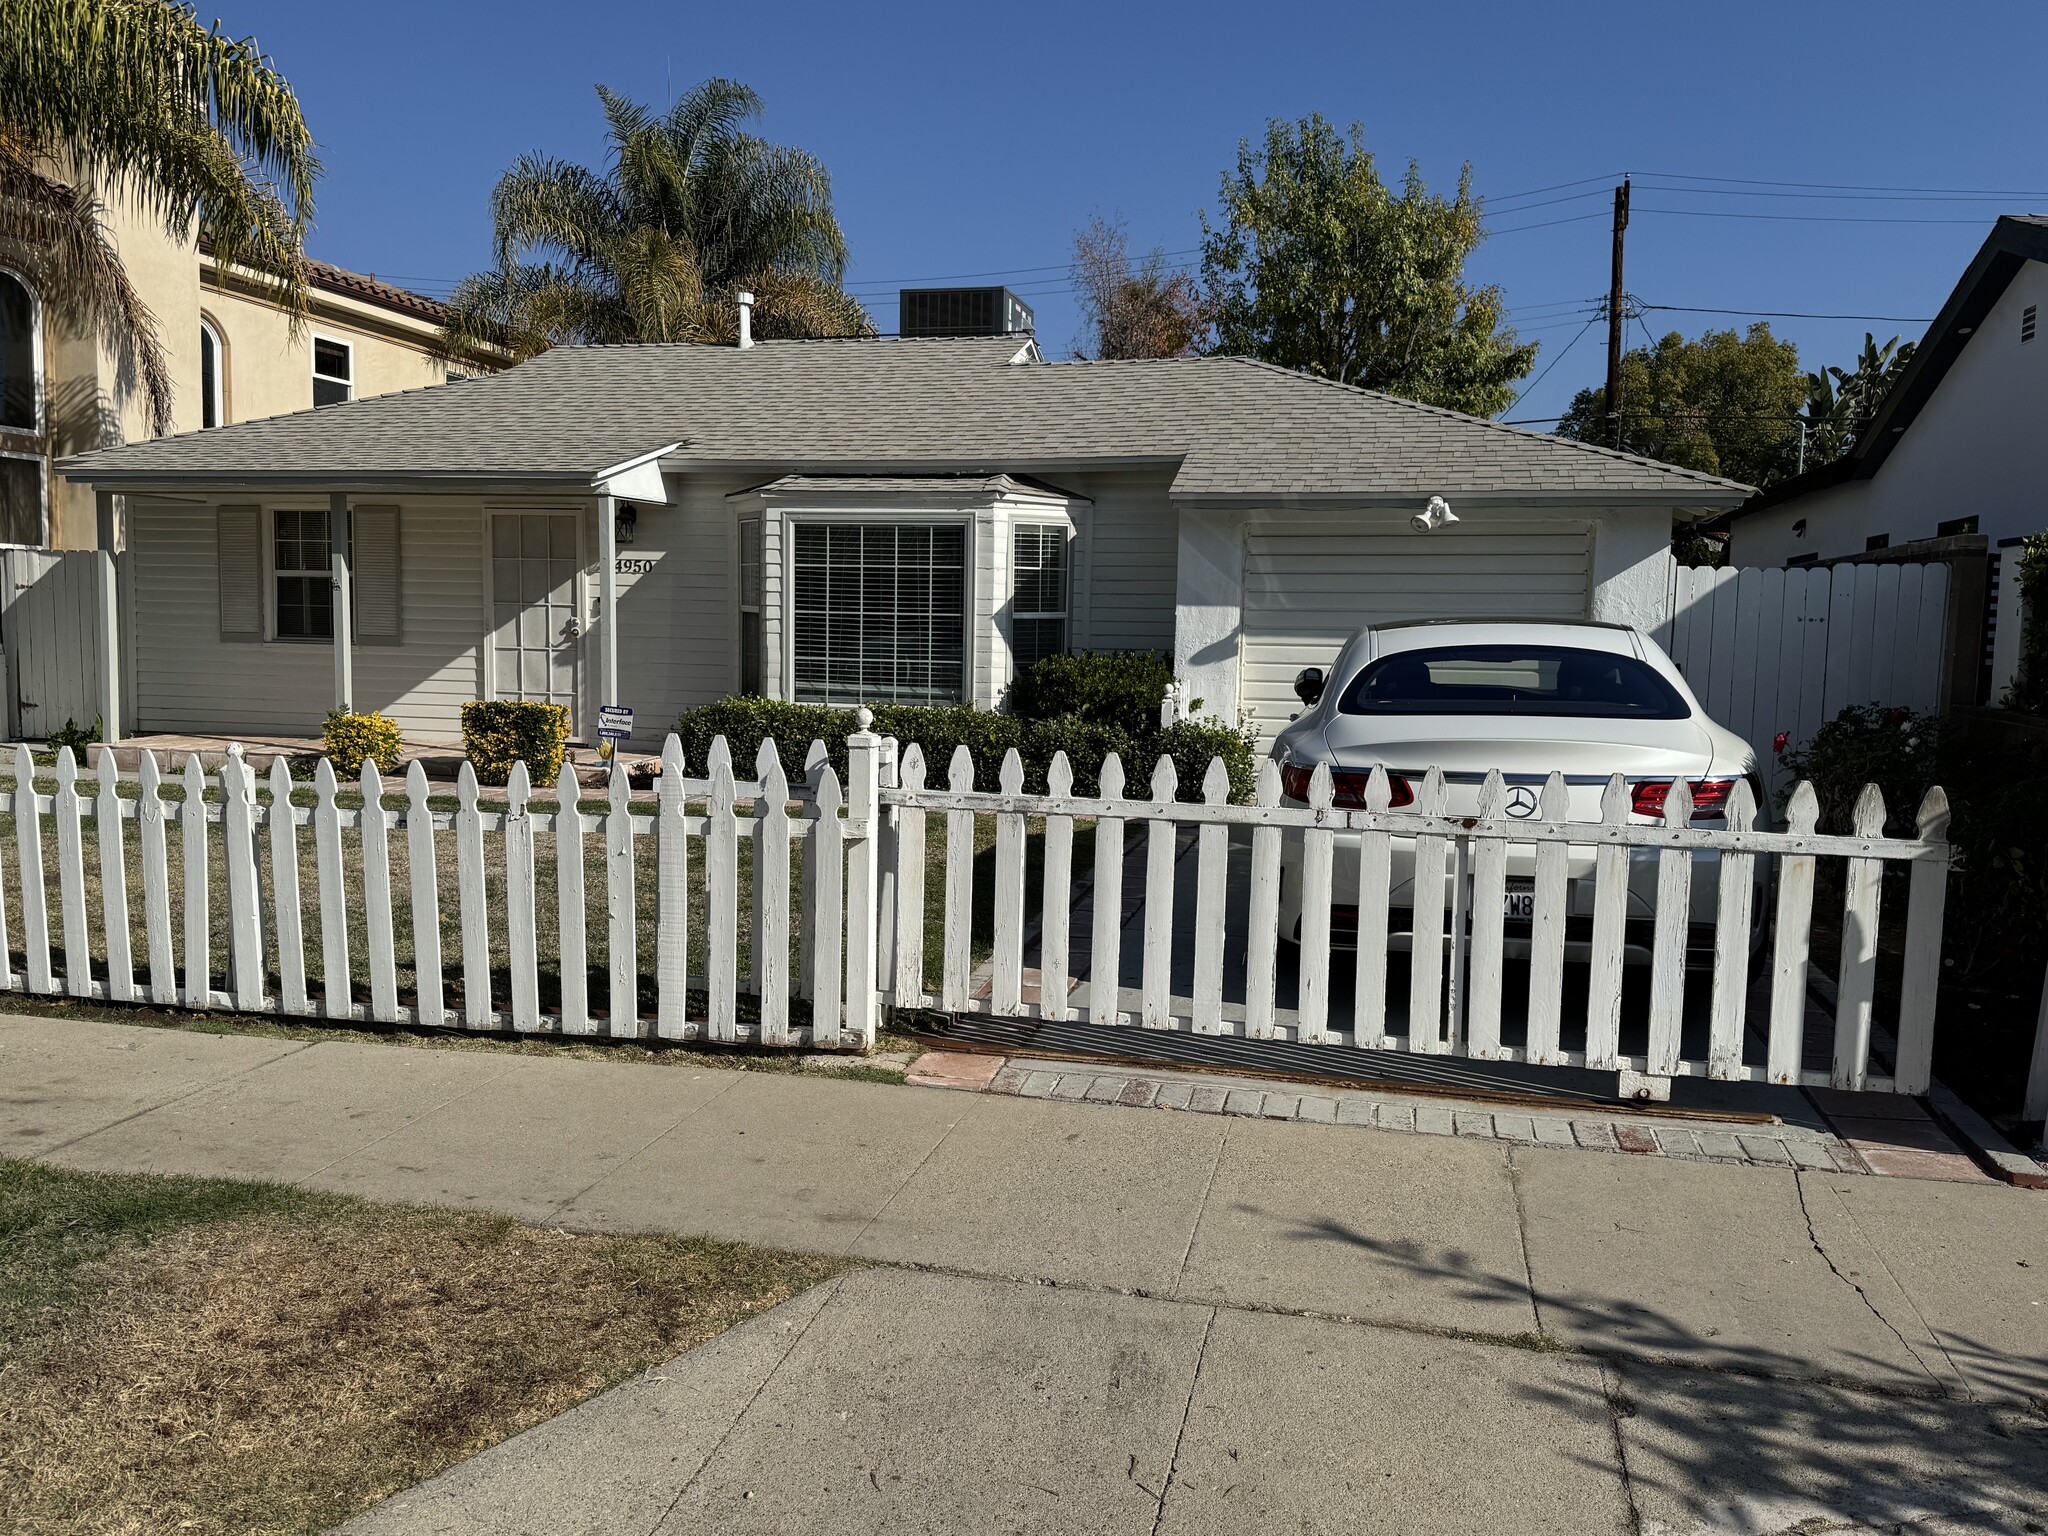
219,382
42,464
327,378
36,363
1065,527
271,573
906,518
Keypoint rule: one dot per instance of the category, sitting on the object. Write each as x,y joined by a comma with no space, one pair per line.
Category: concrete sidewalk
1107,1320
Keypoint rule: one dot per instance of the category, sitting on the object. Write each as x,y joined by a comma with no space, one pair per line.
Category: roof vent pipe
746,321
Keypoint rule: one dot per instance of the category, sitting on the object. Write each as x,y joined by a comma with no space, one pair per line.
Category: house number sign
635,565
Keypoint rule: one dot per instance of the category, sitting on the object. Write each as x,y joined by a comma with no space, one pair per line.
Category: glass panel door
536,632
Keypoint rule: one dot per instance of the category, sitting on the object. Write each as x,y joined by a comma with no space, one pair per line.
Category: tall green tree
136,99
692,211
1319,265
1727,403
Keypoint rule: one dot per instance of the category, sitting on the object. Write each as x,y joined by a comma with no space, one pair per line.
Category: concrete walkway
1087,1319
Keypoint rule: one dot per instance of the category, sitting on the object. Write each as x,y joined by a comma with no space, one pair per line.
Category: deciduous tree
1144,310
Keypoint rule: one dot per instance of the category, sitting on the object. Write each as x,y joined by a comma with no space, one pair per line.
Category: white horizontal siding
1132,554
679,622
187,679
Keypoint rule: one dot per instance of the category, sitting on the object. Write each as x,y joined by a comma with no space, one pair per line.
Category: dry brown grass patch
278,1373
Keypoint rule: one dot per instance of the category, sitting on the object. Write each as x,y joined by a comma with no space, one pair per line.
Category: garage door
1306,593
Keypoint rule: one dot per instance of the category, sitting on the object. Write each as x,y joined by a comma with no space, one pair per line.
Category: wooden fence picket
1312,1006
826,855
571,930
620,896
333,889
1731,943
1785,1048
198,916
671,898
1668,936
1920,978
1546,935
238,859
1610,931
287,924
1212,868
522,957
721,901
1489,926
1426,946
1262,950
28,839
816,756
959,887
1856,981
71,877
113,888
863,883
1375,897
478,1010
378,936
7,973
771,900
910,854
429,986
1056,895
156,886
1105,957
1006,968
1162,847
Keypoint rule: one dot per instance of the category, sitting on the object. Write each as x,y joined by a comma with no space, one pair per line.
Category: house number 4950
634,565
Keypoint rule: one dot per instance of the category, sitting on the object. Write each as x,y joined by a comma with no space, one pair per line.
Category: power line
1508,197
1838,186
1556,360
1788,314
1848,197
1548,223
1807,218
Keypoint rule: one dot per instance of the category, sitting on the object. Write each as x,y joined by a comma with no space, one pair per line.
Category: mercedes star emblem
1522,801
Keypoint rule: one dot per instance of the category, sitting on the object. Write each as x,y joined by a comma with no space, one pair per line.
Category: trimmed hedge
496,733
1121,689
347,740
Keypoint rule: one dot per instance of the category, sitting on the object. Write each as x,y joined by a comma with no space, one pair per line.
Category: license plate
1520,901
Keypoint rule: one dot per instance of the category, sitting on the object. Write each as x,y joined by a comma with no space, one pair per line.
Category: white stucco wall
1977,448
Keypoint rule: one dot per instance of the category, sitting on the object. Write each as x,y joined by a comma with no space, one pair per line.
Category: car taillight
1347,785
1709,797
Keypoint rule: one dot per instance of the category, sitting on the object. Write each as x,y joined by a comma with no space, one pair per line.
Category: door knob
570,629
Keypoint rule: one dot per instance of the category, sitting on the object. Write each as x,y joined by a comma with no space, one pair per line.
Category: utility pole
1614,318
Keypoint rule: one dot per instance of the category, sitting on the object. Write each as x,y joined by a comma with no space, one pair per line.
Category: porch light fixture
626,520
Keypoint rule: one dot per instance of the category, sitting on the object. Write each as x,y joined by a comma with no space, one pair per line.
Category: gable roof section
1226,426
2016,239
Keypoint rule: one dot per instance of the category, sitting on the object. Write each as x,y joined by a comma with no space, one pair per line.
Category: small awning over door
1307,591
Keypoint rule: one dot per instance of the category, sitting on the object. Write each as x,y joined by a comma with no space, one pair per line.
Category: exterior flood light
1437,514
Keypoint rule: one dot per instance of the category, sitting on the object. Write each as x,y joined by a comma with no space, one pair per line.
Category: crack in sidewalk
1201,1210
178,1098
1186,1413
1619,1407
1813,1237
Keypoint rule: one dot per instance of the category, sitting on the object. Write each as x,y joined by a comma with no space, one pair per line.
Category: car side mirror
1308,684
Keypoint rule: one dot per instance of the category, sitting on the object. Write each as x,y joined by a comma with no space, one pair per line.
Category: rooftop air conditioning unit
962,312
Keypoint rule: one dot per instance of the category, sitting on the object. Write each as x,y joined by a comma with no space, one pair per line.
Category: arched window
21,382
213,365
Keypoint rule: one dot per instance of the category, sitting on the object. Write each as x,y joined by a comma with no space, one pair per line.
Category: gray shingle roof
1235,427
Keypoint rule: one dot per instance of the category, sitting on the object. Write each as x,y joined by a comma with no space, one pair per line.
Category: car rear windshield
1512,680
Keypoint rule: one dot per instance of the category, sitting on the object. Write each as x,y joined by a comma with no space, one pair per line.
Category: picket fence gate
266,971
1455,993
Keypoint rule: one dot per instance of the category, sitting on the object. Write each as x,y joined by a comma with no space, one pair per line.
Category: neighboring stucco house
232,357
861,520
1957,450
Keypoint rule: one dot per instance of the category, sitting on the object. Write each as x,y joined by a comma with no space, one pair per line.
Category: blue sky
966,140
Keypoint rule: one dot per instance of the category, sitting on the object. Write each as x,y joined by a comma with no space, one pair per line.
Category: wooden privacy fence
720,895
1787,650
1456,961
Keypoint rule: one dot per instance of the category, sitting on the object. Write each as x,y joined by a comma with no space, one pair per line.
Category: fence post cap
863,718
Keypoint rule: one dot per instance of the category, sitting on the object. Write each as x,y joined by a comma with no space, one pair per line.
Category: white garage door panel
1305,594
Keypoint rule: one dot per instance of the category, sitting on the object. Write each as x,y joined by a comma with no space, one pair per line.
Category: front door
536,632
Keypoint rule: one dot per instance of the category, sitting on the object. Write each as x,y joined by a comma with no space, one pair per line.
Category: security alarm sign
614,722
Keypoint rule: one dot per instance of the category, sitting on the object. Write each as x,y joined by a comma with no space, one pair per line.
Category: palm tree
693,211
136,99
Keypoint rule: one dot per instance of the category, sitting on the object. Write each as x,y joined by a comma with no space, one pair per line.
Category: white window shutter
238,559
377,574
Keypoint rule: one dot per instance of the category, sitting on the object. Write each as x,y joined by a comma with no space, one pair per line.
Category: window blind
1038,601
879,613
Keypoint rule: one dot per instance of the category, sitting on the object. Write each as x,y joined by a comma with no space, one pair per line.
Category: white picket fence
1785,650
1456,957
272,914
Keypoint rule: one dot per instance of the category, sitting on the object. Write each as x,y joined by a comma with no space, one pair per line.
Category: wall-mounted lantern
626,520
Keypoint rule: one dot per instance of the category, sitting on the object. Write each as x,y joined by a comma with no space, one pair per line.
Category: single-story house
658,526
1955,453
